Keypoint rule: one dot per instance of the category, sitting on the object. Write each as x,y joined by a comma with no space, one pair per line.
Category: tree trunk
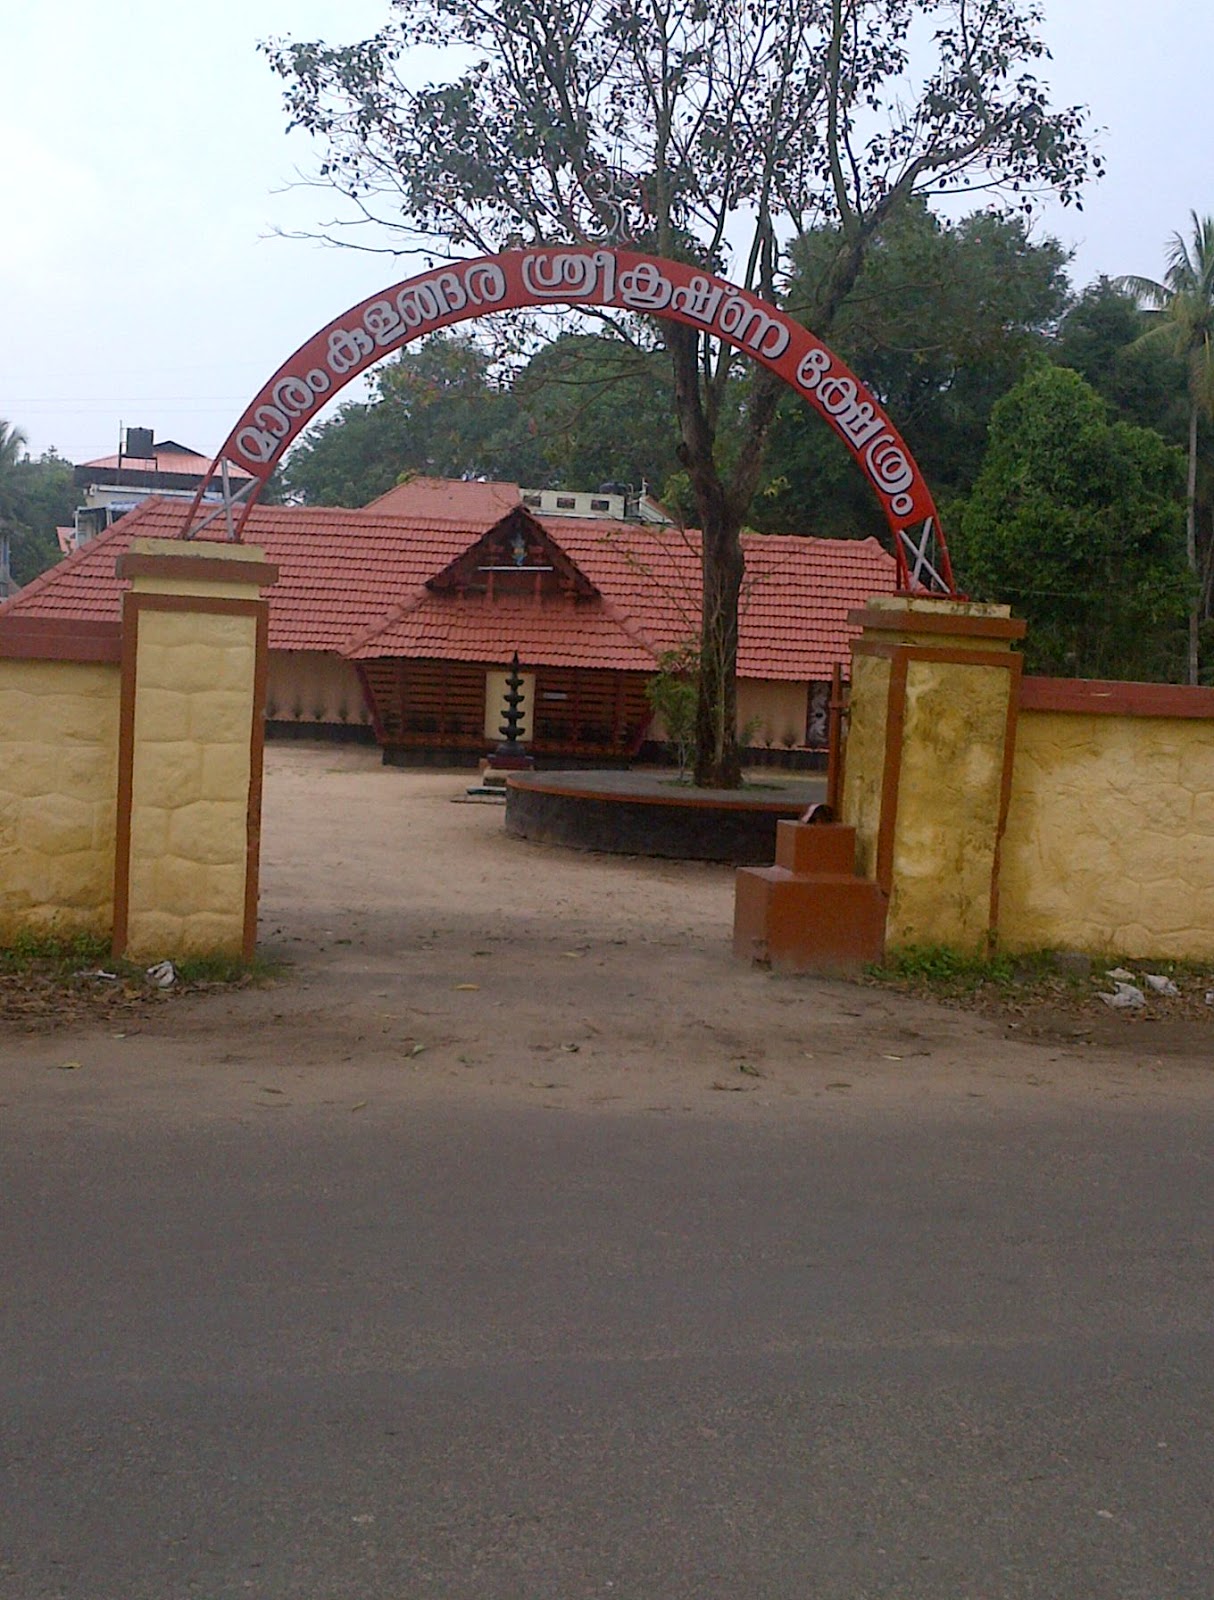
718,757
1191,548
722,509
718,760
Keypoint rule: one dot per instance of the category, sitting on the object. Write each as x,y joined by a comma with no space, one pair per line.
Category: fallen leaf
571,1049
891,1058
751,1072
69,1066
359,1105
417,1049
733,1088
839,1085
467,986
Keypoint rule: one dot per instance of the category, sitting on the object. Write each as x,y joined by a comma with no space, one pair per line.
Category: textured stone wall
190,783
1110,836
58,788
948,804
864,770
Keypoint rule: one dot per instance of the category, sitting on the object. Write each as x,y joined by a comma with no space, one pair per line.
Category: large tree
436,409
943,320
35,497
1182,310
1077,521
712,133
584,411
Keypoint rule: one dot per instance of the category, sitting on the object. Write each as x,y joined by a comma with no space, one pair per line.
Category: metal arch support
926,556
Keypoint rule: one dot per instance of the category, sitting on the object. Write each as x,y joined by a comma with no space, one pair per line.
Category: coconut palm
12,444
1182,313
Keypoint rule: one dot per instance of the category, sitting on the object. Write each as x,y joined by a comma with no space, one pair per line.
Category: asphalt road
505,1354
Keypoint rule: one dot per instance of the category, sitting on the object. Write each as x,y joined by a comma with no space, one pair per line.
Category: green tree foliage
436,410
1077,521
12,450
585,410
35,498
703,132
941,322
1099,338
598,410
1182,325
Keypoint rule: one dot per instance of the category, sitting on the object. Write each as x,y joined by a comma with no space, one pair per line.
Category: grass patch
1029,981
201,970
55,980
54,953
84,954
942,970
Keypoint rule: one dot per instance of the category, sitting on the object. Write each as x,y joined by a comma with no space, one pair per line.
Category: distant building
113,485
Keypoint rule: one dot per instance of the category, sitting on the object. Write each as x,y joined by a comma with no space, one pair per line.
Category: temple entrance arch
581,277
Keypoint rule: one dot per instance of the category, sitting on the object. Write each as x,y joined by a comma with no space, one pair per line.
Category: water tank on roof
139,444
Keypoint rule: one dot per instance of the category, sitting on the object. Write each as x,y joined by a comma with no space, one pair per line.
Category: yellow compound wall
1110,836
58,784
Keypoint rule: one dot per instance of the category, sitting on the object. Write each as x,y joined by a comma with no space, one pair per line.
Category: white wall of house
772,713
313,686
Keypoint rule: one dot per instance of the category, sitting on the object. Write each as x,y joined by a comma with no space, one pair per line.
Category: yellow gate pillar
935,692
194,655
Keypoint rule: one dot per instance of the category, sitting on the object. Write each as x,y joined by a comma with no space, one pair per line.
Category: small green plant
940,966
749,732
672,692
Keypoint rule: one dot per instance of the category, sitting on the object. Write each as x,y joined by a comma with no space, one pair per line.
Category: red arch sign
572,276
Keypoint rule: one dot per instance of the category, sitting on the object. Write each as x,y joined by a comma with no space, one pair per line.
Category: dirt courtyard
425,953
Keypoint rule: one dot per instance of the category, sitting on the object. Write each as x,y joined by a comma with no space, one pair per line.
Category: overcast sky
145,170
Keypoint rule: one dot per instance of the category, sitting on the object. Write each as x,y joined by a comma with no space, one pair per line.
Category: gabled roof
355,582
169,457
474,504
515,545
554,633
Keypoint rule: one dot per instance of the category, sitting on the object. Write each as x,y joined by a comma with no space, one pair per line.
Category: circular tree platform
652,814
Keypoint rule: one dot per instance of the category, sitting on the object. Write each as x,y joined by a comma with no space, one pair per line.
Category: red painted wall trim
1094,697
191,568
913,622
58,639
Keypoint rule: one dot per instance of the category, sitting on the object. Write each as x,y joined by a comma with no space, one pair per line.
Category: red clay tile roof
174,459
476,505
555,633
795,596
355,582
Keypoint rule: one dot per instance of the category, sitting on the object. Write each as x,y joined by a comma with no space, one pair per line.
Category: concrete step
827,922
